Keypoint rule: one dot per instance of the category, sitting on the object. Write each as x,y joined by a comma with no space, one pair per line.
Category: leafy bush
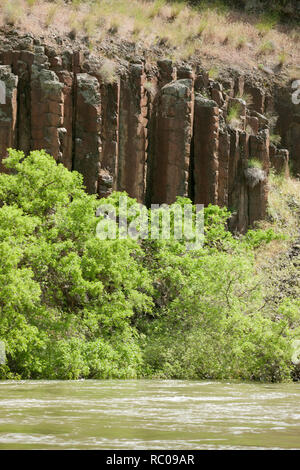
61,288
73,305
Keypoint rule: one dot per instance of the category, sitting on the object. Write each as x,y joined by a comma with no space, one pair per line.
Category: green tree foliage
66,298
72,305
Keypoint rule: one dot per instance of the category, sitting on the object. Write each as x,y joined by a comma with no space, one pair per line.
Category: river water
148,414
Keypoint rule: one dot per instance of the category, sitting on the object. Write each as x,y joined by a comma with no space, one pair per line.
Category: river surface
148,414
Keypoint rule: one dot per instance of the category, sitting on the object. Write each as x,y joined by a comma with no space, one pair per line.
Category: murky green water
148,415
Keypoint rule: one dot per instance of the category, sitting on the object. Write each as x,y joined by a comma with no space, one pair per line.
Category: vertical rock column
257,95
87,154
151,87
258,185
22,68
133,133
63,66
172,142
166,72
206,144
110,96
279,160
8,110
288,124
242,195
237,187
233,169
66,131
224,150
46,111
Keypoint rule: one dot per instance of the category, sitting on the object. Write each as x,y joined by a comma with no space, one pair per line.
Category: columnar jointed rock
146,133
224,151
87,152
279,160
288,123
66,140
133,133
47,111
257,95
173,142
258,194
110,96
206,144
166,72
8,110
22,68
241,194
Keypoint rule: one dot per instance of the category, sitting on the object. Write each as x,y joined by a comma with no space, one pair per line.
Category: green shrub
72,305
254,163
60,286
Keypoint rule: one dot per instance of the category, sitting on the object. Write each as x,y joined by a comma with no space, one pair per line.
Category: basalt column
258,188
224,151
110,96
22,67
288,124
66,131
237,187
63,65
279,160
172,142
206,144
133,133
46,111
240,183
87,152
164,73
21,62
8,110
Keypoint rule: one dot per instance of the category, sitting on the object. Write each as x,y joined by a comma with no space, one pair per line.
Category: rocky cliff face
156,132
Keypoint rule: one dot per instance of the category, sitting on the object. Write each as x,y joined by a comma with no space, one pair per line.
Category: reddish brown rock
172,142
87,151
237,187
279,160
292,139
258,187
239,106
8,111
206,144
22,68
253,123
201,80
257,95
218,97
223,154
66,111
239,85
133,133
185,71
166,72
110,95
46,93
141,134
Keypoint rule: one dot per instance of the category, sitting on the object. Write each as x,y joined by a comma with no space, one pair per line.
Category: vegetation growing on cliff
72,305
215,29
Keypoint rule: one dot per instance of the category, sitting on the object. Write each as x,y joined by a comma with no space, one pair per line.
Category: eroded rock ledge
155,132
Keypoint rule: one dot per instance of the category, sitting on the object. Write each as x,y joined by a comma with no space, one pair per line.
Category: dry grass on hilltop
184,32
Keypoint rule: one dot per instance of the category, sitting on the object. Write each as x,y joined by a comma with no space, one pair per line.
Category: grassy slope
180,31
